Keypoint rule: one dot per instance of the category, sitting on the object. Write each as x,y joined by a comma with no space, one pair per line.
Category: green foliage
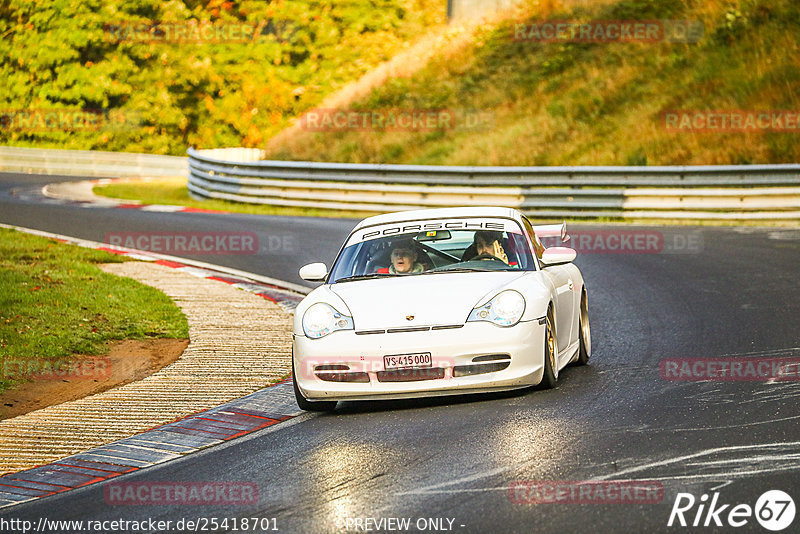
732,26
645,9
161,96
637,158
595,103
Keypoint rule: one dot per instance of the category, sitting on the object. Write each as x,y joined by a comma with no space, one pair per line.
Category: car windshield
432,247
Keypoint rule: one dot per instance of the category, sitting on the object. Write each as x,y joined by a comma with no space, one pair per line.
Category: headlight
321,319
505,309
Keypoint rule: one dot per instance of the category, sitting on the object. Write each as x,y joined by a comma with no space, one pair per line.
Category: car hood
431,299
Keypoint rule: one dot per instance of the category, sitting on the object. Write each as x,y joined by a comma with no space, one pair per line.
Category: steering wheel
439,253
486,256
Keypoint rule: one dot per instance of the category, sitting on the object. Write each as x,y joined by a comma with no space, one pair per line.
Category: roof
440,213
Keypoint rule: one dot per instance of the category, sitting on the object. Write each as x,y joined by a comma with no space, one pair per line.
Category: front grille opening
368,332
470,370
343,377
491,357
332,367
410,375
408,329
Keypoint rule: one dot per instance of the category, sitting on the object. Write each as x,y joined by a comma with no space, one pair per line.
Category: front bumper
450,349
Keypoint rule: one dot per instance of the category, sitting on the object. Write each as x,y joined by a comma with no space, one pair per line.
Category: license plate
400,361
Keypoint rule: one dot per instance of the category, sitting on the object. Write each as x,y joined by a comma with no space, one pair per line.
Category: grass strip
173,191
55,302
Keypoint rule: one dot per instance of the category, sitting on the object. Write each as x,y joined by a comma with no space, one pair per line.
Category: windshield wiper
384,275
364,277
460,270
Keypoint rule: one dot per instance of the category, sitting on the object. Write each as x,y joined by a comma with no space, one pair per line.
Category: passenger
487,242
404,258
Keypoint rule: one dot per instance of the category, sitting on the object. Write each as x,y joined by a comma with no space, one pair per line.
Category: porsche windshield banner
432,225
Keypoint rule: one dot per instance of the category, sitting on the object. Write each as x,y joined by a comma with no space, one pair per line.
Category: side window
538,248
518,252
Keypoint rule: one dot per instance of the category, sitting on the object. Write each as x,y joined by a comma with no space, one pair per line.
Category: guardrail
736,192
89,163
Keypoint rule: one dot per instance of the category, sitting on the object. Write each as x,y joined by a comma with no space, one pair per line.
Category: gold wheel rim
551,346
587,340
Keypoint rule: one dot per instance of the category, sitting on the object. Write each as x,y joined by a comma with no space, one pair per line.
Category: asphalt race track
453,460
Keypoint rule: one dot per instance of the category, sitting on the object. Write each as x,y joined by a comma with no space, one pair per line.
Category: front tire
305,404
550,375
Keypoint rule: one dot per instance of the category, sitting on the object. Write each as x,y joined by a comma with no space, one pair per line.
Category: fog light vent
469,370
343,377
491,358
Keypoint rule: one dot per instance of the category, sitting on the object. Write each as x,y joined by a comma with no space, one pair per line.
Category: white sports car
439,302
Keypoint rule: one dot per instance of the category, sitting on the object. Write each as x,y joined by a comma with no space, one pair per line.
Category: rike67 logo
774,510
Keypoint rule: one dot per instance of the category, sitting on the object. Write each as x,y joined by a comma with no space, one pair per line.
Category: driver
487,242
404,258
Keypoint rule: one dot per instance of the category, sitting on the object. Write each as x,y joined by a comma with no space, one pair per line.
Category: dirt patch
126,361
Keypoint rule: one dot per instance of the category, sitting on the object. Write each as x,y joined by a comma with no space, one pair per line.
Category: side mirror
314,272
556,255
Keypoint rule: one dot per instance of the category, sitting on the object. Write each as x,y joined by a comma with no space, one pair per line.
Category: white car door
562,278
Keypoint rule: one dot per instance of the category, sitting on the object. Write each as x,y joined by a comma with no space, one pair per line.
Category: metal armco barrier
89,163
736,192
